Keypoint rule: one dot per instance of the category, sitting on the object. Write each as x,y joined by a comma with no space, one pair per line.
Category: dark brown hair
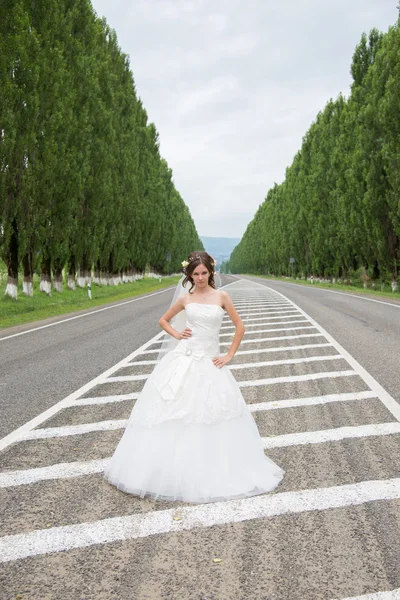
196,258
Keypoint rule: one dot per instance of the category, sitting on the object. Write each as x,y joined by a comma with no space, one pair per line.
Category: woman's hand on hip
186,333
221,361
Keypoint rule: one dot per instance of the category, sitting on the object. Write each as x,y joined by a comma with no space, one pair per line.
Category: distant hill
219,247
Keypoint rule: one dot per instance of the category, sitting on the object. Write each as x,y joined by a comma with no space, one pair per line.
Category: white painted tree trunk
12,288
58,283
104,280
45,285
27,286
71,282
394,286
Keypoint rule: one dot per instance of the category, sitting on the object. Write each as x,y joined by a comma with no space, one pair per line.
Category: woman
190,435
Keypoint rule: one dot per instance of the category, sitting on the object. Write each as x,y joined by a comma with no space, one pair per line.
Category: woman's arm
170,314
227,304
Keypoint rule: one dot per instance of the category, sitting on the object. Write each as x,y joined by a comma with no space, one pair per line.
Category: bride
190,435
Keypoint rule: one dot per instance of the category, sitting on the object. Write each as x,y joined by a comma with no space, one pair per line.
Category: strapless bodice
205,322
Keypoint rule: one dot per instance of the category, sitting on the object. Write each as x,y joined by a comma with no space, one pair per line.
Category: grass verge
40,306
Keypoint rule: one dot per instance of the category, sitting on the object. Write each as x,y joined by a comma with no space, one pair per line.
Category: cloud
233,87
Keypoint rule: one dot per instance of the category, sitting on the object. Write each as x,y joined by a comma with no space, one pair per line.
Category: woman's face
200,276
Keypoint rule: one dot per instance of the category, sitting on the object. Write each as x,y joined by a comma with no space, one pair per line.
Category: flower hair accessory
184,263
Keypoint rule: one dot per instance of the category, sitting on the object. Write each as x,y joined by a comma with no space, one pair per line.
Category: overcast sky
233,86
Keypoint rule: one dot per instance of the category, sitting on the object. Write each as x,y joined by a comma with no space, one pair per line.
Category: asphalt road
330,531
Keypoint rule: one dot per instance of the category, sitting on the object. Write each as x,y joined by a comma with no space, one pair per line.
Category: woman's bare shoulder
225,297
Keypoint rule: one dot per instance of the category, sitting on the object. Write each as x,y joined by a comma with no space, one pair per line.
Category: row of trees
82,182
338,208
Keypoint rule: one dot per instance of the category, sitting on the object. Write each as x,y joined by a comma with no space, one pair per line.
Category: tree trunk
96,275
58,278
27,264
12,264
71,272
45,276
84,272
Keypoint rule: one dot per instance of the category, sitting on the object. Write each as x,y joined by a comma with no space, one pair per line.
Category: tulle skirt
191,437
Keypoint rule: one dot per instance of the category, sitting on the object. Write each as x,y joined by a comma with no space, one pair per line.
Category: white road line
253,322
272,329
57,471
67,430
83,535
310,401
283,348
126,378
393,595
66,402
330,435
276,311
277,338
288,361
254,308
103,400
293,378
85,314
381,393
141,363
268,323
291,361
244,305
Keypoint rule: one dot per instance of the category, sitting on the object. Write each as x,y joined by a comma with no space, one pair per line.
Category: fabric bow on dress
170,381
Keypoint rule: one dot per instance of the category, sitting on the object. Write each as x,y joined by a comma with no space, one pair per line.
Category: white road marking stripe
310,401
259,305
86,314
283,348
272,329
126,378
57,471
264,312
393,595
288,361
293,378
57,539
67,430
381,393
103,400
141,362
274,339
254,308
255,340
268,323
330,435
254,322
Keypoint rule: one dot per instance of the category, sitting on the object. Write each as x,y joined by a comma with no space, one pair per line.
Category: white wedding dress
190,435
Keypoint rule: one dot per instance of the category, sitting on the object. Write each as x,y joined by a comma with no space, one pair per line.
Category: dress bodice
205,321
